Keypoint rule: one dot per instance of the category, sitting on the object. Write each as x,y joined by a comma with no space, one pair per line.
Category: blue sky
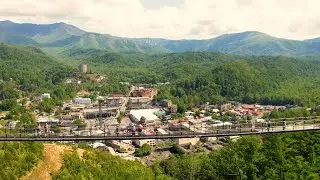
173,19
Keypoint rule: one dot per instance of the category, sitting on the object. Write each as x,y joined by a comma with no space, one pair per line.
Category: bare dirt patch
51,162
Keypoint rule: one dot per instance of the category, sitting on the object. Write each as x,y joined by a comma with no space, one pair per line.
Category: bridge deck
218,133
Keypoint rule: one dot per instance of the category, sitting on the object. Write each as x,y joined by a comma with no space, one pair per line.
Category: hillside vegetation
287,156
195,77
199,77
102,165
18,158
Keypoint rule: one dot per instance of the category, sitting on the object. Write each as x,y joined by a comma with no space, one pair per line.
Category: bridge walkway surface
230,130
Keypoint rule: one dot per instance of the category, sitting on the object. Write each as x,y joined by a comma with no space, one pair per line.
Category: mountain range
65,37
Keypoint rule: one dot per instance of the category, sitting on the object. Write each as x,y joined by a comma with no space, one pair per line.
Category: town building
125,83
149,114
225,106
138,100
85,101
115,144
114,101
165,103
45,95
93,113
144,92
151,142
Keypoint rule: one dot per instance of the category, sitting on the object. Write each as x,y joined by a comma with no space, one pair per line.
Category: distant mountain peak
6,21
65,36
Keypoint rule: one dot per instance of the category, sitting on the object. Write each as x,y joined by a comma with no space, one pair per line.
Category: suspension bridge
244,129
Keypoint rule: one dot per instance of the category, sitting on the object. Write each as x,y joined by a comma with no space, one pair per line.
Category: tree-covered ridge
288,156
199,77
65,36
195,77
18,158
102,165
30,69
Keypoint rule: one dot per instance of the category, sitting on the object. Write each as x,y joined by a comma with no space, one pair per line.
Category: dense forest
199,77
18,158
195,77
27,72
287,156
102,165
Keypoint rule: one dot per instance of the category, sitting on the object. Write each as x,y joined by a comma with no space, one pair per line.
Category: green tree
144,150
214,116
142,120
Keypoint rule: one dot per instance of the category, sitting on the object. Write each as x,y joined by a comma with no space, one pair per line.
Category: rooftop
147,113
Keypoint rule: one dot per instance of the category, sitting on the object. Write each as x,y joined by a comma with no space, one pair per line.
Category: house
12,124
165,103
215,110
125,83
225,106
114,101
140,142
136,100
45,95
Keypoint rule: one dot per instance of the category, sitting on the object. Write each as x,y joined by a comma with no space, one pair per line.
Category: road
126,100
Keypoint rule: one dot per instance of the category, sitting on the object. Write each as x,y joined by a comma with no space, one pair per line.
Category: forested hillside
18,158
287,156
102,165
30,70
199,77
195,77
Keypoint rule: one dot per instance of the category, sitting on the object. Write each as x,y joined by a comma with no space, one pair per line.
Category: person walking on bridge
284,124
268,124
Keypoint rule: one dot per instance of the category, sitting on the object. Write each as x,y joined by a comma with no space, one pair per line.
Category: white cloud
296,19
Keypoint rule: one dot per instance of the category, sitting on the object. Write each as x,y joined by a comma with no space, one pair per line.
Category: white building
81,100
149,114
45,95
136,100
151,142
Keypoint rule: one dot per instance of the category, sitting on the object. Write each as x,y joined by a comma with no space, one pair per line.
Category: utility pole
100,110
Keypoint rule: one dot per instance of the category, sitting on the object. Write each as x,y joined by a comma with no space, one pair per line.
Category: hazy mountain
64,36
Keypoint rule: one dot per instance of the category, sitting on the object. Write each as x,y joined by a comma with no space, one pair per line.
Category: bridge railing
203,128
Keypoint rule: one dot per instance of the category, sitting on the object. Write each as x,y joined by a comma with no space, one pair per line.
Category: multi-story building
137,100
151,142
144,92
114,101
